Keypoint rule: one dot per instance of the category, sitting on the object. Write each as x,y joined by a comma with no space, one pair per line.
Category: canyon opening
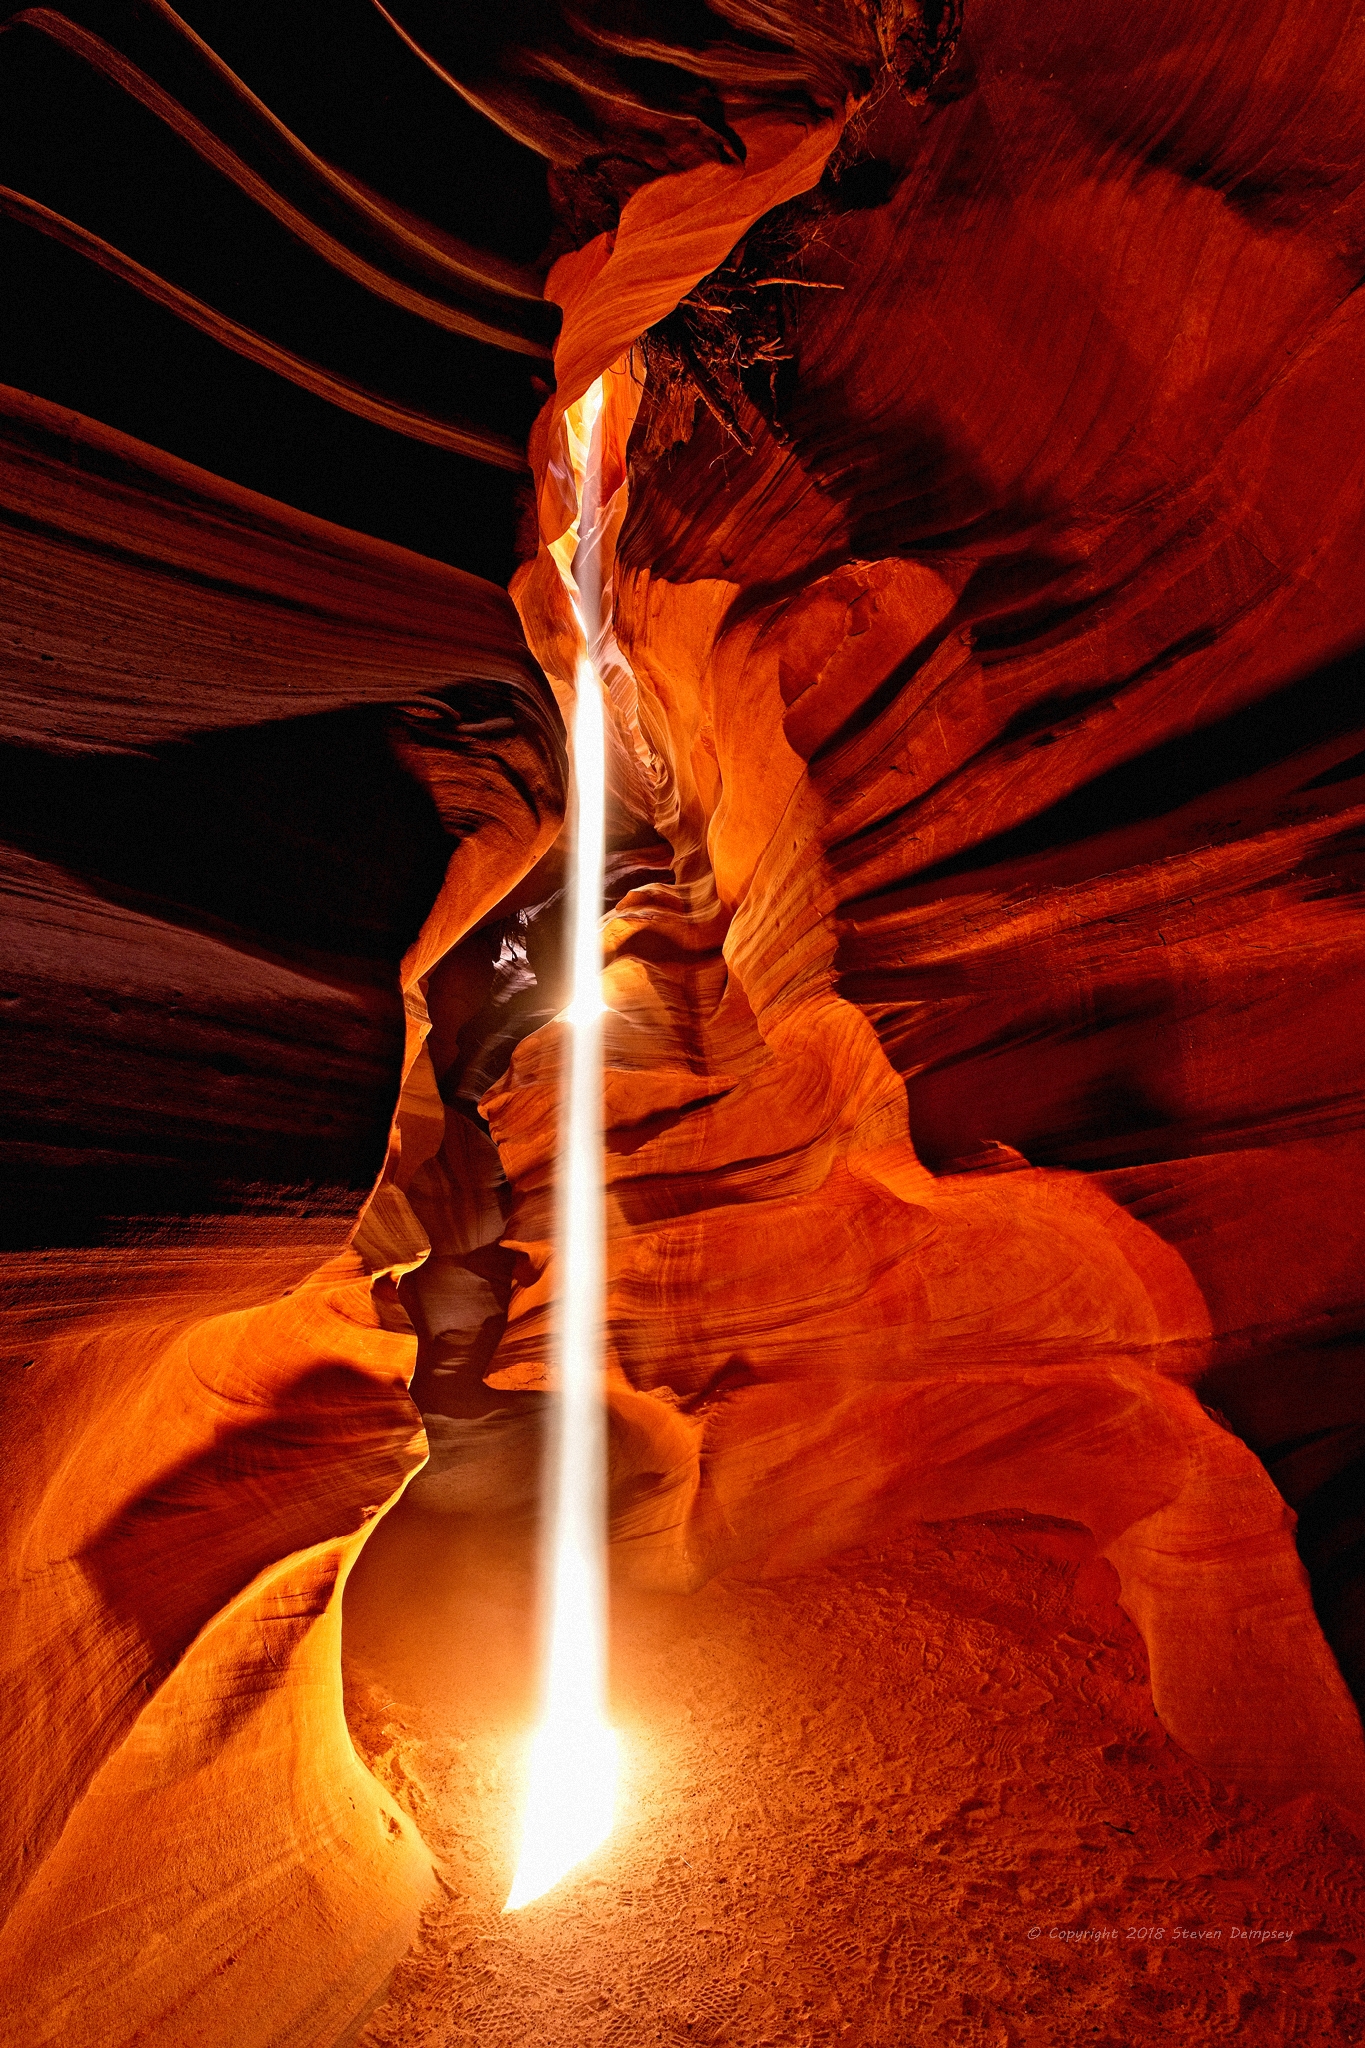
682,859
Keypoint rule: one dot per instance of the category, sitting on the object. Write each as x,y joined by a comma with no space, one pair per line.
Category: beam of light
571,1788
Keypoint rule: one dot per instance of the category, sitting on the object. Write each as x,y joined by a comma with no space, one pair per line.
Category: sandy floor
880,1802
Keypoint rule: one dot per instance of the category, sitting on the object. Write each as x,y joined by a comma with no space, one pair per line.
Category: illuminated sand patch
848,1795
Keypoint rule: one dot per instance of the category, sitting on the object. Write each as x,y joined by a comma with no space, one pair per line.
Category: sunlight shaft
571,1788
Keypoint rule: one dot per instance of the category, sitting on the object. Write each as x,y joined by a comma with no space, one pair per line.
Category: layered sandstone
256,762
984,1101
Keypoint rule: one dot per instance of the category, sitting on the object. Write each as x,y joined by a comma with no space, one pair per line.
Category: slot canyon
979,612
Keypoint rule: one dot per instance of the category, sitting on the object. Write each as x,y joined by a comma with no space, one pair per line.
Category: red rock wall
259,757
1000,700
984,1089
255,761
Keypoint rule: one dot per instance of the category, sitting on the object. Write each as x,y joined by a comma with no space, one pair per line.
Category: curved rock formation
316,735
932,813
984,1100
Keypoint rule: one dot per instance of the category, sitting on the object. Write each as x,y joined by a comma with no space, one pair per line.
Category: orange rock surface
830,1333
205,1406
984,1091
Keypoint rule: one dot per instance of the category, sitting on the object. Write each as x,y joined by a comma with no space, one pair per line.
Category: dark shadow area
303,834
1332,1545
335,72
226,1037
1304,714
76,143
47,1204
75,336
1300,1405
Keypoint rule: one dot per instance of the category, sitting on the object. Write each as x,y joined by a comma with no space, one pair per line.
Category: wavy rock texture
984,1103
253,761
1006,747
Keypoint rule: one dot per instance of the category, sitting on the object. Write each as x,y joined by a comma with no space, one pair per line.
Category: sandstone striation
254,762
981,629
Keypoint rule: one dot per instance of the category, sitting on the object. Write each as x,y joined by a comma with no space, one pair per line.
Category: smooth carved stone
197,1473
984,1099
256,762
1000,747
841,639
